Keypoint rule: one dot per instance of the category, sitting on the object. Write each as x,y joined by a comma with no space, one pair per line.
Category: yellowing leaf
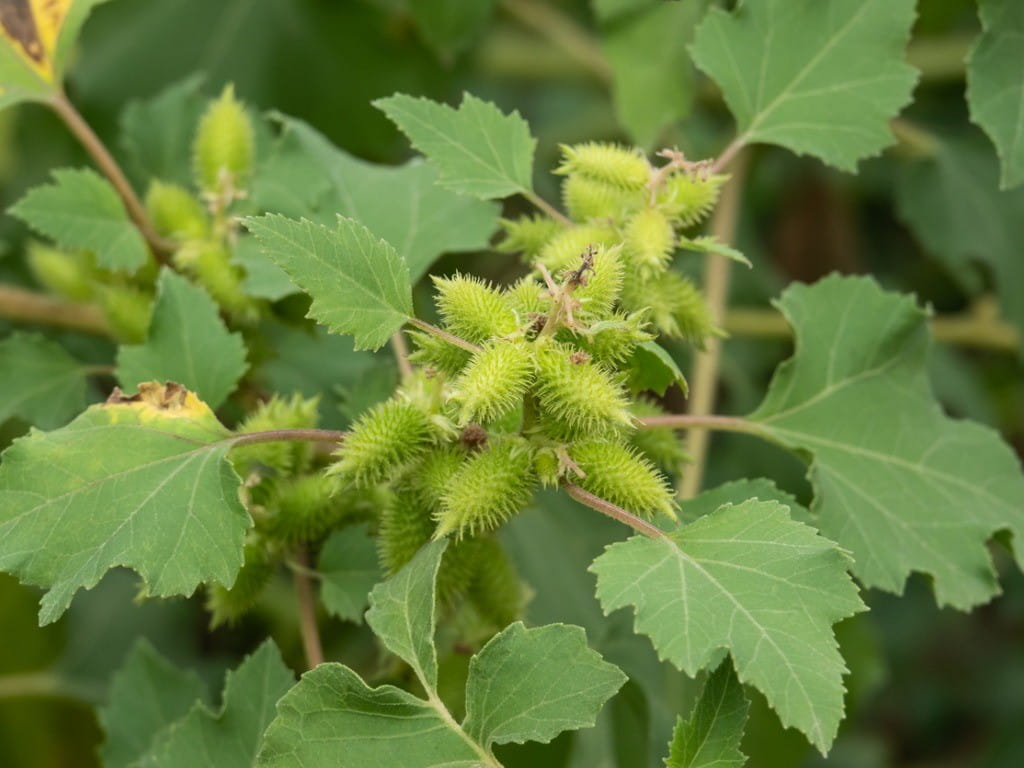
35,36
141,482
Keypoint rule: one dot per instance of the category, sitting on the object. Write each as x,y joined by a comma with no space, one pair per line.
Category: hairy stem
690,421
546,207
568,36
289,435
108,165
26,306
307,610
605,507
716,287
450,338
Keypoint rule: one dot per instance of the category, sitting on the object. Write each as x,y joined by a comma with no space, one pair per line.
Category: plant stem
914,141
729,154
615,512
716,288
108,165
289,435
26,306
401,350
450,338
560,29
546,207
47,685
690,421
307,611
972,329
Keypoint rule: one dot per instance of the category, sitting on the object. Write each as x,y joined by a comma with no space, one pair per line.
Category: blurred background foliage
928,687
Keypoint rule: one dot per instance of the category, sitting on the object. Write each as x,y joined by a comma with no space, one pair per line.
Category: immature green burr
224,145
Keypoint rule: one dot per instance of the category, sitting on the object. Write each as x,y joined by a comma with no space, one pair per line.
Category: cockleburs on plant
196,231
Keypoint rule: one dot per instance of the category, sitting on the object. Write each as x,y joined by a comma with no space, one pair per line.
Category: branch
289,435
108,165
401,350
450,338
48,685
307,611
716,288
690,421
563,31
615,512
547,208
976,328
26,306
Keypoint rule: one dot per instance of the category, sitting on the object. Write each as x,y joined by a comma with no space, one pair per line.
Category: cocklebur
617,473
648,241
472,309
527,235
622,167
490,487
577,396
382,442
282,458
563,250
175,212
224,146
494,381
688,197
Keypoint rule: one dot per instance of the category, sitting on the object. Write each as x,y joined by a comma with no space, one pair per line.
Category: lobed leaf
479,150
358,283
188,343
402,612
138,482
147,695
400,204
532,684
35,40
995,84
41,382
749,579
80,210
231,736
822,78
952,203
898,483
711,737
349,568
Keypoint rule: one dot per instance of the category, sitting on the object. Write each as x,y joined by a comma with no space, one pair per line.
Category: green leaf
953,204
749,579
35,39
231,736
652,92
897,482
349,568
995,84
188,343
822,78
532,684
402,612
402,205
332,719
147,694
358,283
711,737
41,382
449,26
82,211
652,368
137,482
738,491
157,133
479,150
